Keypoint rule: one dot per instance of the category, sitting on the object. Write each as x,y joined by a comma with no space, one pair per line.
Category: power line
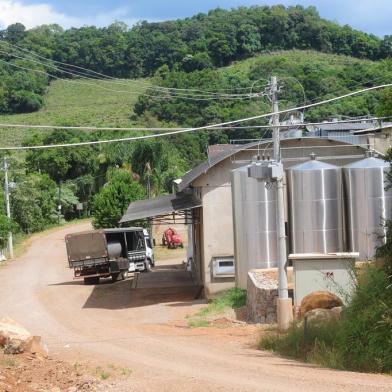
104,77
161,129
94,85
205,95
212,126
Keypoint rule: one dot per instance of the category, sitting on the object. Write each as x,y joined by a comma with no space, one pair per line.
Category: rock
319,300
16,339
321,316
338,311
34,345
13,346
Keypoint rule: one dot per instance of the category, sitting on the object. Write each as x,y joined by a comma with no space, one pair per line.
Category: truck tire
91,280
147,266
115,277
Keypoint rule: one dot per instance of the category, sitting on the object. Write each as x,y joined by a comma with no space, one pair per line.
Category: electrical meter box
223,267
333,272
266,170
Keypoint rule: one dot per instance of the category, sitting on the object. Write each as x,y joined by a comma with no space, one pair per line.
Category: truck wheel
115,277
91,280
147,266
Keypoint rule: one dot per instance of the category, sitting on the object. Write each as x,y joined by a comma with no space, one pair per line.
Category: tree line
201,42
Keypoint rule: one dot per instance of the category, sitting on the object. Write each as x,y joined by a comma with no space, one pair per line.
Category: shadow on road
164,285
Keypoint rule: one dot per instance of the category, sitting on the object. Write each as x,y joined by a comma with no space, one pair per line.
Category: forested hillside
205,69
200,42
304,77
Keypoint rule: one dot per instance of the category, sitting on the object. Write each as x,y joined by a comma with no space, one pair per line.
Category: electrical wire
163,97
104,77
161,129
212,126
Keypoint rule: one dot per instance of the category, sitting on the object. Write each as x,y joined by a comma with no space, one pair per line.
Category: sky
372,16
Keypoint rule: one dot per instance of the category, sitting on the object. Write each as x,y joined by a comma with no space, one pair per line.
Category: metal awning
161,206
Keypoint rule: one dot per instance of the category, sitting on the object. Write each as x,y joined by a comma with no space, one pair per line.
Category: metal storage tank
254,216
316,215
368,204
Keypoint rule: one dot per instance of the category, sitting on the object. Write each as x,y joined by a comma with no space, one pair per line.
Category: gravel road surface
144,329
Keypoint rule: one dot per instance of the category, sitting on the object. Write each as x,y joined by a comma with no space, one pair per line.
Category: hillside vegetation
72,104
305,77
203,41
230,52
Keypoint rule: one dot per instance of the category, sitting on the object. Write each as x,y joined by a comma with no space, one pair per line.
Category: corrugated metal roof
158,206
343,126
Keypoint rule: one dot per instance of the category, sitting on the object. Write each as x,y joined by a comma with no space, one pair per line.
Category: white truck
96,254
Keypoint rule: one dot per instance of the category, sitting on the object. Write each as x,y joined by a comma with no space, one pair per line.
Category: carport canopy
160,207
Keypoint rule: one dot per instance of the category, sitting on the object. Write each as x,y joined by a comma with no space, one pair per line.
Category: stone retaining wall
262,288
261,298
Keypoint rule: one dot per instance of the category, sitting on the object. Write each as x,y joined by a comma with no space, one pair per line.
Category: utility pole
284,304
59,205
8,207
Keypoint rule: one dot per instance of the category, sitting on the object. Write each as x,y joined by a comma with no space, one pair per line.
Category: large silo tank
368,204
316,214
254,216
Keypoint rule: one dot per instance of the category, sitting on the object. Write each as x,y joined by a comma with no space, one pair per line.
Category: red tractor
172,239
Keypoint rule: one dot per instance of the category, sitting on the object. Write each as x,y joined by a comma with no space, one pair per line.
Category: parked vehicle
107,253
172,239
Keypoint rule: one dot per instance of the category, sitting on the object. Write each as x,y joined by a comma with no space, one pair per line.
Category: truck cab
137,246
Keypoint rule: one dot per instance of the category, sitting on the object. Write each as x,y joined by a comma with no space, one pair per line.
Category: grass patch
319,344
231,299
9,362
361,341
102,373
126,372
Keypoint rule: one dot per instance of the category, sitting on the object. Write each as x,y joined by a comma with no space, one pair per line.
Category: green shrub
231,299
318,344
366,330
361,341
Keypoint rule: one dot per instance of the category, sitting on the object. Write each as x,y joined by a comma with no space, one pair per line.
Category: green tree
34,202
111,202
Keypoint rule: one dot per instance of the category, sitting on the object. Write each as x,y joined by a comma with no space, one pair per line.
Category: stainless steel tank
316,215
368,204
254,216
114,249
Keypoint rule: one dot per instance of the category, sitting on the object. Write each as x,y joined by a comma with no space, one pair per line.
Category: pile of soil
27,373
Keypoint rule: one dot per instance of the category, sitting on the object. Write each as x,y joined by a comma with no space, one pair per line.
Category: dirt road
143,329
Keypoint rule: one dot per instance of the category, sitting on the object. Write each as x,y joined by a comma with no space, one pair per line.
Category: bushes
366,330
362,341
111,202
34,202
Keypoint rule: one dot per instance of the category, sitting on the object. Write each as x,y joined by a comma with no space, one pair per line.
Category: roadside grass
317,344
360,341
22,241
102,373
111,370
9,362
231,299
